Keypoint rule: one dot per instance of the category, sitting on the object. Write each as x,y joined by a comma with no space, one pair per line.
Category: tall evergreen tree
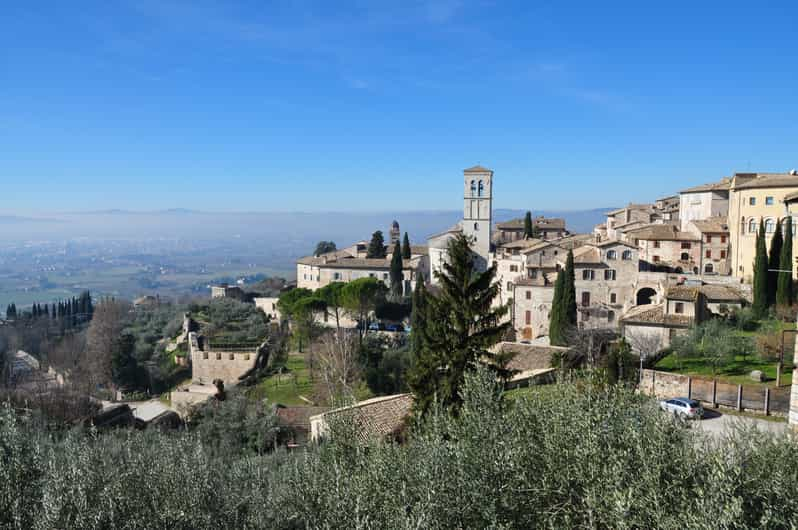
569,290
784,294
376,247
462,324
774,260
397,279
760,305
418,316
558,317
407,251
528,227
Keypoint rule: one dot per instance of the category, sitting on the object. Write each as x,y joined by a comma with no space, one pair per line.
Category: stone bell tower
478,211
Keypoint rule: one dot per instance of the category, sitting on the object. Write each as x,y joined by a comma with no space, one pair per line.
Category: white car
683,408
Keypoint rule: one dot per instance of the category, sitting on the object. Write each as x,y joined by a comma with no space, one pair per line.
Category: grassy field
737,370
286,388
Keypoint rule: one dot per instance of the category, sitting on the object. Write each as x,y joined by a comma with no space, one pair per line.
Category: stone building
228,291
665,248
703,202
713,234
532,300
227,364
755,197
547,228
395,234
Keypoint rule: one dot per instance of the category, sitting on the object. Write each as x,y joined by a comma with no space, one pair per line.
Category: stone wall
225,364
665,385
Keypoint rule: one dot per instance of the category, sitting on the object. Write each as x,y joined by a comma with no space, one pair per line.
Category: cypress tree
397,278
760,305
569,290
376,249
774,261
407,251
558,318
528,229
784,284
461,325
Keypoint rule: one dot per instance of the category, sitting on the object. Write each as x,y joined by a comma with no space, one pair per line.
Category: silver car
683,408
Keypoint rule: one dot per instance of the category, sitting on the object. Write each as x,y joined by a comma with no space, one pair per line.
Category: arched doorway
645,296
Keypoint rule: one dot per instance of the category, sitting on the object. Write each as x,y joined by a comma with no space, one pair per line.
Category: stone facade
478,211
703,202
532,301
228,365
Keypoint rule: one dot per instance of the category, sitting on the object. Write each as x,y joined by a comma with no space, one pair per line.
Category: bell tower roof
477,169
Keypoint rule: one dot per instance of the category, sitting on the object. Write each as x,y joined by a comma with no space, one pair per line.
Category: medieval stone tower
396,235
478,210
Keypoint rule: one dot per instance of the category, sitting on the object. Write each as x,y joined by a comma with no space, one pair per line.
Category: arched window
611,254
685,256
752,226
709,268
473,188
627,255
481,188
742,225
770,226
476,226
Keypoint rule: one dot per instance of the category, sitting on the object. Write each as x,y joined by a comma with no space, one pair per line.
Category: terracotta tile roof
457,228
529,356
543,223
655,315
687,293
665,232
422,250
477,169
791,196
366,263
713,225
521,243
721,185
764,180
377,418
298,416
721,293
630,206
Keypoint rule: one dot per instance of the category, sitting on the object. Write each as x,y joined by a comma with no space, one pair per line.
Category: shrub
743,319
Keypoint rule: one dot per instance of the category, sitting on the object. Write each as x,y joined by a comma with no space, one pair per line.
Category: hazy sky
338,105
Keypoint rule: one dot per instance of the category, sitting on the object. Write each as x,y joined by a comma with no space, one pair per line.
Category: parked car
683,408
395,327
376,326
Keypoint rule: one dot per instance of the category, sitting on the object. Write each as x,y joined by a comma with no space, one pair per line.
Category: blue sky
363,105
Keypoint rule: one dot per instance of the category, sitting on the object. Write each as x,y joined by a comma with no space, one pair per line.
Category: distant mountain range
300,227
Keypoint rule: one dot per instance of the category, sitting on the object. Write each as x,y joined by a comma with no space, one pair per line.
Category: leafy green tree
461,326
376,249
760,304
558,319
360,298
302,307
714,342
774,260
332,296
236,426
397,278
784,294
125,370
323,247
528,226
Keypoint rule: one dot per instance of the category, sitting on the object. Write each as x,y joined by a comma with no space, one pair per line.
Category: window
656,259
384,275
708,254
752,226
246,357
610,316
679,308
585,316
752,201
371,275
533,274
613,298
685,256
473,188
722,239
481,188
626,255
585,298
476,226
722,254
686,244
587,274
709,268
337,276
611,254
656,244
769,201
709,238
528,318
609,274
509,286
204,355
513,268
232,357
770,226
218,356
529,295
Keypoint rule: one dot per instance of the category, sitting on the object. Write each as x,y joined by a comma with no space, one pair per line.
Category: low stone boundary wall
666,385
